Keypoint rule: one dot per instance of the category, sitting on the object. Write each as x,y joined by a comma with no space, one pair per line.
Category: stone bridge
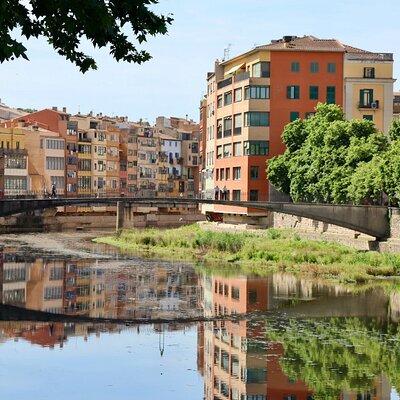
371,220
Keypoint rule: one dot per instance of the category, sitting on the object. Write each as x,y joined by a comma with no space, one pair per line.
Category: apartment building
14,177
128,157
170,167
251,97
148,151
46,165
56,120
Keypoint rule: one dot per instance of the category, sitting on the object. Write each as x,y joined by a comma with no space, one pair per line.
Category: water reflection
92,289
315,341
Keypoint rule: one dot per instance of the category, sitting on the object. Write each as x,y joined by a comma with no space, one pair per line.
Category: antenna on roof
227,52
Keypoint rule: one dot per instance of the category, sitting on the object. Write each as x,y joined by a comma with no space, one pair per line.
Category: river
82,321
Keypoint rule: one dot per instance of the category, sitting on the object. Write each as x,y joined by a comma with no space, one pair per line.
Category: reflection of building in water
143,292
49,334
84,287
238,362
15,274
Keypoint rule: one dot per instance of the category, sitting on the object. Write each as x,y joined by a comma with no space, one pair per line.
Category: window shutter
297,92
361,96
288,92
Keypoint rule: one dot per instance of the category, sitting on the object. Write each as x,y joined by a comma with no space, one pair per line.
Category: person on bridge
53,190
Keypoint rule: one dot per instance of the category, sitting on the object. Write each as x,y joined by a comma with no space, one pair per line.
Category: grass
270,251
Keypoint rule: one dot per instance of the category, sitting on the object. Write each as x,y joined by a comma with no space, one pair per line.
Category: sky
173,82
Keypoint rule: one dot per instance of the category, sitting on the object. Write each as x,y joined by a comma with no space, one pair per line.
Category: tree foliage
338,354
331,160
65,23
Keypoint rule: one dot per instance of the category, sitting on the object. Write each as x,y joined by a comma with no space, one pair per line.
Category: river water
110,326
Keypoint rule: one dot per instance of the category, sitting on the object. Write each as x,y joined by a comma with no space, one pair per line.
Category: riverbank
260,253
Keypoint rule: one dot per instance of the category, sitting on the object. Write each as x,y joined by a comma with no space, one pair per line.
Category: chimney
65,110
54,108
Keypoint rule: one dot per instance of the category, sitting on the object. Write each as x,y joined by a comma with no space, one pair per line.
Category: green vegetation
331,160
258,253
338,354
68,25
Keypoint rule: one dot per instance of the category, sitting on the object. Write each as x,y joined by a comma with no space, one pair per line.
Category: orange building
251,97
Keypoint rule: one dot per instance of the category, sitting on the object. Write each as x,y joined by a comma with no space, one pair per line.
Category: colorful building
251,97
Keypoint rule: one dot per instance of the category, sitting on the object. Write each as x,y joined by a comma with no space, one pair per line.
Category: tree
327,158
65,23
336,354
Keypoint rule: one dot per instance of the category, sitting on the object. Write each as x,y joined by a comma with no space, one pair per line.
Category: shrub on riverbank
259,253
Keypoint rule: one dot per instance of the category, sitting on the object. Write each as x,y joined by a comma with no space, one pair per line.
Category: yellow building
368,87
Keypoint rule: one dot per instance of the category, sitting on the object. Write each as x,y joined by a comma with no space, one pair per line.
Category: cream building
368,82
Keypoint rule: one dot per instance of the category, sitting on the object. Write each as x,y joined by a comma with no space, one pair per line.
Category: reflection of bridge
371,220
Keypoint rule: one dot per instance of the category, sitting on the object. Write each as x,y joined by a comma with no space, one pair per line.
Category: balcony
242,76
374,105
224,83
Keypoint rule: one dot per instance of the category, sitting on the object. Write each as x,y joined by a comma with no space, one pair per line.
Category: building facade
250,98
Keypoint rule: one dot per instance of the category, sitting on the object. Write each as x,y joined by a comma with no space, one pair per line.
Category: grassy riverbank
269,251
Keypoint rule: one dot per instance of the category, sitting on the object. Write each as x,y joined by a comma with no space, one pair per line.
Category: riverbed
84,321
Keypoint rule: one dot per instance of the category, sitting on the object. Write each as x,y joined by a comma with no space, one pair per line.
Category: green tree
323,156
394,131
65,23
337,354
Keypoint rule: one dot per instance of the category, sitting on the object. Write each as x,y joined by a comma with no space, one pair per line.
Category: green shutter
288,92
361,97
294,115
297,92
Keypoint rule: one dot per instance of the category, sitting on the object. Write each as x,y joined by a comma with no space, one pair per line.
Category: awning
235,69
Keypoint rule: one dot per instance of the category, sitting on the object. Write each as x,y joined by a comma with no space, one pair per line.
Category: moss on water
258,253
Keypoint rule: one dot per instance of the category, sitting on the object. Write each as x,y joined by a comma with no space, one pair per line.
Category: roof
312,43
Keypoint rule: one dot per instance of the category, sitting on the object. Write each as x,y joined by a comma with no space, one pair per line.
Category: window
252,296
256,118
313,92
227,126
314,67
236,195
227,98
219,129
331,94
221,174
261,70
237,120
227,150
219,101
293,92
235,293
58,181
369,72
238,94
366,97
254,172
219,152
55,163
295,66
15,183
294,115
85,165
256,92
227,173
331,68
236,173
17,145
15,162
55,144
255,148
253,195
368,117
53,292
237,149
